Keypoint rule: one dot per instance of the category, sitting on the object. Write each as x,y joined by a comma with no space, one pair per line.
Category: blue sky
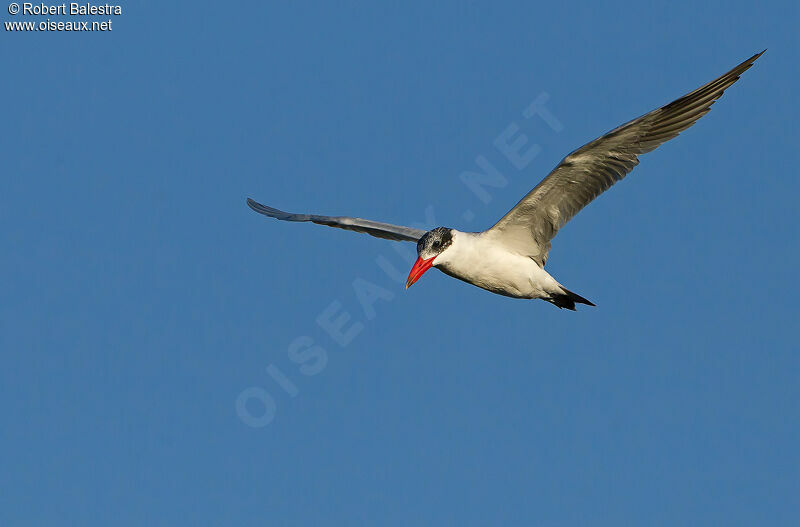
150,321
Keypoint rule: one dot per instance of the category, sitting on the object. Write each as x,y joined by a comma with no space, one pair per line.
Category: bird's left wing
592,169
386,231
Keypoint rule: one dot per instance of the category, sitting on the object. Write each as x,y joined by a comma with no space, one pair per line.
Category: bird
509,258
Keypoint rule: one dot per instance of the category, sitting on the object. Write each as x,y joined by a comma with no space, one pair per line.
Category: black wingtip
253,204
258,207
275,213
755,57
748,63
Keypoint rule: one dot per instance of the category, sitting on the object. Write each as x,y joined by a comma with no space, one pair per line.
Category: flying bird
509,258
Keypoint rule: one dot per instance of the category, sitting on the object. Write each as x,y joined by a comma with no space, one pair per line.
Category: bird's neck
464,247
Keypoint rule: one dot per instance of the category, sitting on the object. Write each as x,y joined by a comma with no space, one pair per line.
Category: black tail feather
567,300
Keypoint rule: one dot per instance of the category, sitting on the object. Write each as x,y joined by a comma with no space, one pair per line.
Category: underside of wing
595,167
386,231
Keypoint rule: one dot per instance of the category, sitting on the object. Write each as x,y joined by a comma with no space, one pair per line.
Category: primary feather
593,168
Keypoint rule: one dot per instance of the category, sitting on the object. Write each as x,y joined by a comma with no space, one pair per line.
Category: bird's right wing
592,169
386,231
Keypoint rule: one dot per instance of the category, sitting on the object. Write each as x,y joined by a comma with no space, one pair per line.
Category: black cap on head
434,242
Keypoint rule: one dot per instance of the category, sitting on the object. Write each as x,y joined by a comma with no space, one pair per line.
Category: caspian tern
509,258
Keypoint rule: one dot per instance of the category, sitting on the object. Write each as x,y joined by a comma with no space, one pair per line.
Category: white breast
475,258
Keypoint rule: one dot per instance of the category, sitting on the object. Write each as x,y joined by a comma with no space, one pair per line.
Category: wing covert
592,169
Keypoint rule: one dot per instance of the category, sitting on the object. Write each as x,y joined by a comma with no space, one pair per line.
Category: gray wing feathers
595,167
374,228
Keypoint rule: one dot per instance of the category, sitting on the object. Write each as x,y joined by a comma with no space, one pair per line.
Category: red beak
420,266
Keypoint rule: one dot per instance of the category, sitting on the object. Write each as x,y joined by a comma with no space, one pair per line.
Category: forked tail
567,300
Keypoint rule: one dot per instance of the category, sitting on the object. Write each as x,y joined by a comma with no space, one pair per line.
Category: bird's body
476,258
509,258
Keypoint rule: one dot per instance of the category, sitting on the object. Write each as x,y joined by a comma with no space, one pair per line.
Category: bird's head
432,244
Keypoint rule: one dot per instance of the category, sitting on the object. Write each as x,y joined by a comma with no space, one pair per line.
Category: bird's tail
567,300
